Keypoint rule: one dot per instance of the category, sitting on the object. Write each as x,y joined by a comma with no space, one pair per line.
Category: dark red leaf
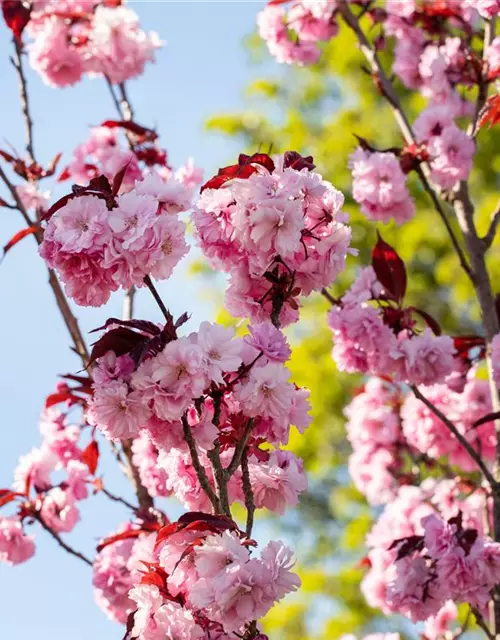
7,157
277,2
407,546
463,344
62,202
118,179
18,237
261,159
130,534
430,321
140,325
90,456
143,133
295,161
6,496
243,170
64,175
490,113
56,398
120,341
217,520
487,418
389,269
16,15
51,169
130,625
100,184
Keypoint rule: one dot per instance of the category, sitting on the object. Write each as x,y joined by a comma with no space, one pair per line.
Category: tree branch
487,240
112,496
149,283
248,492
60,541
465,444
197,466
240,447
17,62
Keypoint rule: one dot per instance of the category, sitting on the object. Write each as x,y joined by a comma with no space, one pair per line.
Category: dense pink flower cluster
278,231
156,400
15,545
425,432
379,186
382,340
99,243
73,38
448,562
58,477
213,584
117,567
403,518
374,431
292,36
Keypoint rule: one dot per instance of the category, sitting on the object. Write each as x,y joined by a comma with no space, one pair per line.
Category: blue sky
202,70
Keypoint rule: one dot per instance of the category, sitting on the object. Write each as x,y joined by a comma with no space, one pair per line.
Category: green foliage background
316,111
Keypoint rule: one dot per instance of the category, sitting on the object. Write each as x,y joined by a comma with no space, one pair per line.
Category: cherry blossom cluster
379,186
383,339
217,386
389,429
277,228
207,584
118,566
116,144
71,38
99,241
417,512
49,482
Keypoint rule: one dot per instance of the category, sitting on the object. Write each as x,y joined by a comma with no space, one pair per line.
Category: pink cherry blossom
58,510
15,545
379,185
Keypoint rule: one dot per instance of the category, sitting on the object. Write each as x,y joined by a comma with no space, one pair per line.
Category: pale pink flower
116,411
438,625
266,392
119,49
58,510
268,340
426,358
221,350
15,545
51,56
81,224
379,185
452,153
277,482
32,198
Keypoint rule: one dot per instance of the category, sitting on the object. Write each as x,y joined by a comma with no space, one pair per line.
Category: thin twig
126,105
198,467
221,479
17,62
240,447
482,96
60,541
490,235
149,283
248,493
465,444
482,623
112,496
116,102
326,294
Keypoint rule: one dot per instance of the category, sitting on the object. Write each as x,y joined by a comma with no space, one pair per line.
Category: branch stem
60,541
